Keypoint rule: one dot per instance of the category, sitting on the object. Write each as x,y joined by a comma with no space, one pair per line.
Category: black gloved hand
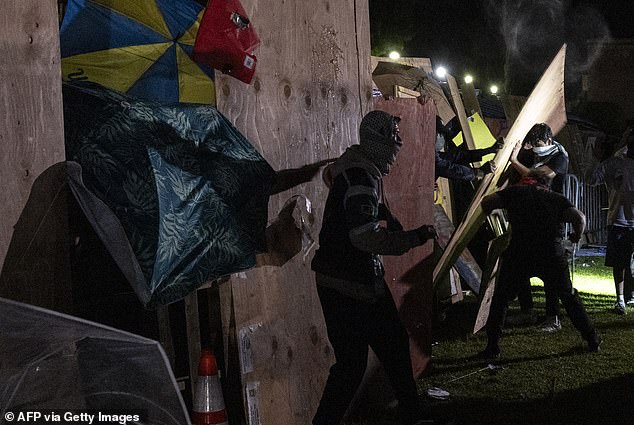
496,146
426,232
488,167
499,144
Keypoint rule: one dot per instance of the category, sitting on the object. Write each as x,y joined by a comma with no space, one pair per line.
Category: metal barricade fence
590,200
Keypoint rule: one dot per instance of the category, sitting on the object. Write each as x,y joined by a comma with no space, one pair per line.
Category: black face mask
380,140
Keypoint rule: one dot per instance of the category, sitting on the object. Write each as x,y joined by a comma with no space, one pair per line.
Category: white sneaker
551,324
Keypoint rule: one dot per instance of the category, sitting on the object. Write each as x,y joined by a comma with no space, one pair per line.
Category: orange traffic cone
209,405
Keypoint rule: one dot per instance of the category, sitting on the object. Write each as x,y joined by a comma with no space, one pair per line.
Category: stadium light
441,72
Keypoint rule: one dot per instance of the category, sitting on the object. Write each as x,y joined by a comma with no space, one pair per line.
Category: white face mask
544,150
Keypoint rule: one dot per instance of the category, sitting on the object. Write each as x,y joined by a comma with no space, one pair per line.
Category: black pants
353,326
553,270
525,298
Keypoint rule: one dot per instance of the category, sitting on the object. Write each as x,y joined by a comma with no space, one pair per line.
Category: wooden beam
192,322
470,99
545,104
423,63
459,107
489,277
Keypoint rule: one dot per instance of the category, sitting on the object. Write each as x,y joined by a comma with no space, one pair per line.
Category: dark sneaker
551,324
594,344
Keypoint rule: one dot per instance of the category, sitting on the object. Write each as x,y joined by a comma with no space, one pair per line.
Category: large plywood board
545,104
310,91
34,232
512,107
409,190
31,124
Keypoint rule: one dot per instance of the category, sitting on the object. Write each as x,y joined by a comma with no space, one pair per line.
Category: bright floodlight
494,89
441,72
468,79
394,55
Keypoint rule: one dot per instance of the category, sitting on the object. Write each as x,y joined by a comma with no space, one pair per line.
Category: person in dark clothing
535,249
453,166
453,163
617,174
539,151
358,309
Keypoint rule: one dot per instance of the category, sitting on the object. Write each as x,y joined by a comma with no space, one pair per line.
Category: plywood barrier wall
409,188
311,89
31,139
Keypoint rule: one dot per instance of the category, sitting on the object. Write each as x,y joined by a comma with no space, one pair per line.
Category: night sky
480,37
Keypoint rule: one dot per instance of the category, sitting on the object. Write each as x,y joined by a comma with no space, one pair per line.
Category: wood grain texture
409,189
31,126
470,98
311,89
424,63
489,277
460,111
512,106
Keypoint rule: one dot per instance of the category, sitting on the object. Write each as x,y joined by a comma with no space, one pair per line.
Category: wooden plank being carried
466,265
512,107
459,108
470,99
545,104
489,277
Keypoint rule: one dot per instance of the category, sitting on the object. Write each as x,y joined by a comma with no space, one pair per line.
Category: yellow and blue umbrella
139,47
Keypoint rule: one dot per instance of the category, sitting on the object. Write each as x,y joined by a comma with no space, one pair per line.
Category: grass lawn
541,379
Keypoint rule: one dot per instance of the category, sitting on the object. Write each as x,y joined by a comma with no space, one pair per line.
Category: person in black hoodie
453,162
535,249
358,309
